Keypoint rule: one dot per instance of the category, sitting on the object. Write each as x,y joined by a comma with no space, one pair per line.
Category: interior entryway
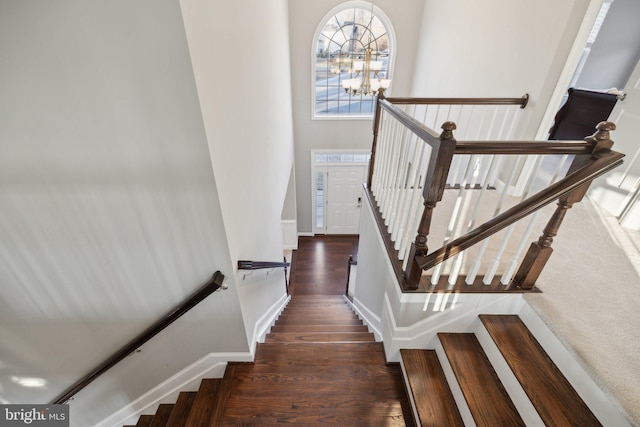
337,190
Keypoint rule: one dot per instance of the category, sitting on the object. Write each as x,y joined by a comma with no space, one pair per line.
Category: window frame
384,19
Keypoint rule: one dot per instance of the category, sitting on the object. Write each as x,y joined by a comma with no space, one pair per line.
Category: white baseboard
210,366
305,234
368,318
267,320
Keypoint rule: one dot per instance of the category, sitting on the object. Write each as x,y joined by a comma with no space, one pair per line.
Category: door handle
359,202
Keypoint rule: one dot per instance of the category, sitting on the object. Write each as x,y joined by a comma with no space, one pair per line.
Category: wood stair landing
555,400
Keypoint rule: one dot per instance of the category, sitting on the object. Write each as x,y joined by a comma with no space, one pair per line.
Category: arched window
353,52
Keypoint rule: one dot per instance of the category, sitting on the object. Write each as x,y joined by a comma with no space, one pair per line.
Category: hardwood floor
319,265
319,364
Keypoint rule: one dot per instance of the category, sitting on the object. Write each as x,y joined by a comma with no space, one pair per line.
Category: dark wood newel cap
447,130
606,126
451,126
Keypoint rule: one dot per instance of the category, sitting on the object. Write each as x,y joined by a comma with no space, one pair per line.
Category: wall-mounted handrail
194,299
258,265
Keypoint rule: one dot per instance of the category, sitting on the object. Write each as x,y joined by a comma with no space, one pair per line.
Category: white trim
423,334
289,234
367,316
267,320
379,13
305,234
212,365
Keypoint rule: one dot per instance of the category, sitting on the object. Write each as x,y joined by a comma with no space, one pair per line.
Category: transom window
339,55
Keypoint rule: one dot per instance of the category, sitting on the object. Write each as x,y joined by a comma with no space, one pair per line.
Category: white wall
304,18
240,58
496,48
616,51
109,211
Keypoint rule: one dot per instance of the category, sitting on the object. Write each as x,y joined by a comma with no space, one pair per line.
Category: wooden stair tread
181,409
144,421
318,328
320,337
318,321
552,395
202,407
319,354
310,318
162,415
431,393
485,395
224,393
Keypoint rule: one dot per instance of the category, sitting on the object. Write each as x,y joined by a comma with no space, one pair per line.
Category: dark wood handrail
194,299
522,101
602,164
422,131
523,147
258,265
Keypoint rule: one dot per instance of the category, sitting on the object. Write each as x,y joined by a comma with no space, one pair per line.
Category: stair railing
413,166
351,262
194,299
260,265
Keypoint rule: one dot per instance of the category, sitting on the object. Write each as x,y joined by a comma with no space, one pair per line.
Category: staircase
456,384
318,365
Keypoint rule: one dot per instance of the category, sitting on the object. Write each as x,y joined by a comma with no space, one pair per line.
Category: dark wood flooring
319,266
319,364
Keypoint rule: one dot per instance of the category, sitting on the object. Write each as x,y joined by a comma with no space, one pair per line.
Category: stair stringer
458,317
603,405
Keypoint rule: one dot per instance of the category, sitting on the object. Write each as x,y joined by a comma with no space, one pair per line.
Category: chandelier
367,80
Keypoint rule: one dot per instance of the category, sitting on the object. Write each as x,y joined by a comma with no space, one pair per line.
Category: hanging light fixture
367,80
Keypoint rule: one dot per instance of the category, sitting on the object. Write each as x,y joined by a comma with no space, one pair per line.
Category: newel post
540,251
435,182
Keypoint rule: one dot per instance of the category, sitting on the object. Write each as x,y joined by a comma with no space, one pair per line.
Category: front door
618,190
344,198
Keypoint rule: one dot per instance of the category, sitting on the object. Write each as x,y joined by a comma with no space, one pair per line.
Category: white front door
344,198
618,191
